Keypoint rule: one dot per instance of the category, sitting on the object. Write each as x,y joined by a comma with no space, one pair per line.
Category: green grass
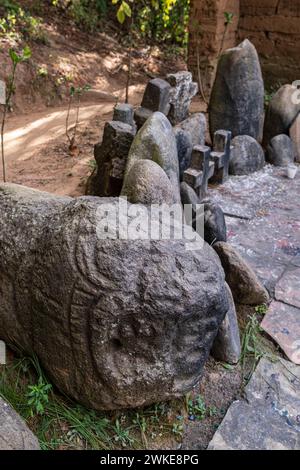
254,344
60,423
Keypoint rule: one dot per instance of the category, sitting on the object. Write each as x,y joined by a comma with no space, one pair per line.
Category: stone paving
263,220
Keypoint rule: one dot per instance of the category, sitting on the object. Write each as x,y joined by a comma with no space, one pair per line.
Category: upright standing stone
181,94
156,141
141,115
237,98
111,157
200,170
157,96
281,113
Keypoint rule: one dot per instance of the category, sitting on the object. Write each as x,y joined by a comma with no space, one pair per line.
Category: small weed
196,408
38,396
122,436
261,309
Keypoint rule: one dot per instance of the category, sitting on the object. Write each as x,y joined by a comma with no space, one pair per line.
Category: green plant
122,435
38,396
74,93
261,309
196,408
16,59
228,17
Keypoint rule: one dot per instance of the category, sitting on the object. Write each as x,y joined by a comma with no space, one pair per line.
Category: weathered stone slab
117,321
288,287
254,427
14,433
269,420
282,323
278,384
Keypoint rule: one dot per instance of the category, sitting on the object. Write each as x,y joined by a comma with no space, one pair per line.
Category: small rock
237,98
281,150
281,113
247,156
14,433
214,224
189,198
243,282
147,183
156,141
227,345
157,96
294,133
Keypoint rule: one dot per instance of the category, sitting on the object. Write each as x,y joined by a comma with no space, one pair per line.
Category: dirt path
36,146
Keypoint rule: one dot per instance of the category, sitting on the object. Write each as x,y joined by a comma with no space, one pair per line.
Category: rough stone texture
14,433
294,133
196,126
181,94
214,224
243,282
116,323
247,156
156,141
147,183
157,96
269,420
281,113
189,133
281,322
227,345
111,156
262,218
237,98
124,112
141,115
184,149
280,150
288,287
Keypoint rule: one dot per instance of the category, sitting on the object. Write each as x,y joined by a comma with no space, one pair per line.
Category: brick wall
272,25
274,28
206,32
